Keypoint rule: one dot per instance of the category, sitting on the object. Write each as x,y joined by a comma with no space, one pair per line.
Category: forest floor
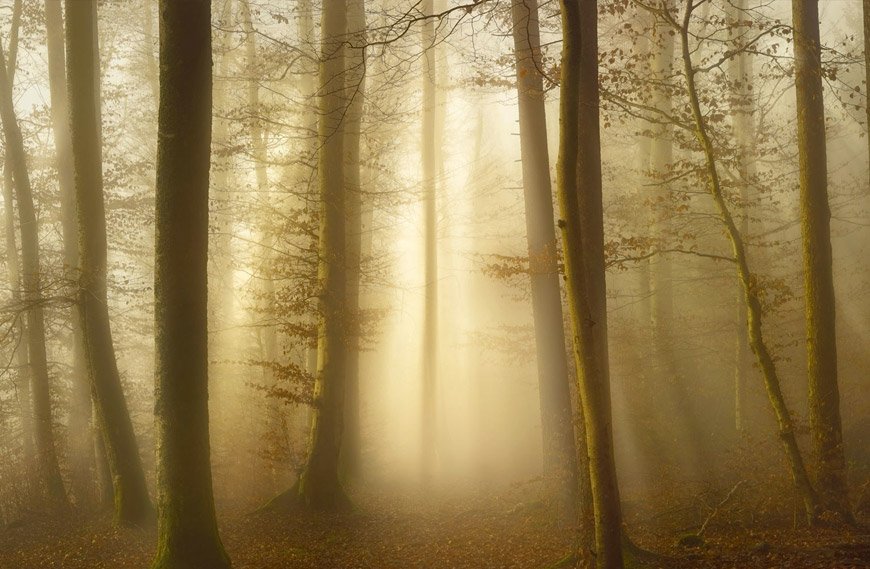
460,533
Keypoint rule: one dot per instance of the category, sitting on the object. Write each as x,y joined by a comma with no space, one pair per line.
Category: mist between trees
594,272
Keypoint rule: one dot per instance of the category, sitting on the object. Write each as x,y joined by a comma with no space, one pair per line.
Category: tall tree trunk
355,86
866,15
744,131
580,203
319,485
268,334
824,394
80,433
187,534
429,426
52,483
557,428
746,278
132,504
20,357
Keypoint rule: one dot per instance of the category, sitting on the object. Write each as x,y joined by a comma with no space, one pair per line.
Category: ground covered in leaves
412,532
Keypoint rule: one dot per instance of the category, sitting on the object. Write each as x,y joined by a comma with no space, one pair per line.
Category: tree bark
319,485
49,470
824,394
187,526
131,501
580,203
557,428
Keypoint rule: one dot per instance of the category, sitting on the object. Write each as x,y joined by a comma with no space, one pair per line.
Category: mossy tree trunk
44,437
580,203
824,393
748,281
187,534
131,501
319,485
557,428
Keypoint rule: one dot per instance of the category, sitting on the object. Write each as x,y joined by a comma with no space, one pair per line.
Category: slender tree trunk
132,504
49,470
355,86
266,294
429,425
187,534
747,281
866,14
744,132
557,428
319,485
579,191
824,394
81,440
20,357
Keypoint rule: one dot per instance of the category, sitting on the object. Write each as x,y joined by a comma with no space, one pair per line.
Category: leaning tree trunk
319,485
81,440
746,279
49,470
557,428
824,393
580,203
355,91
187,534
132,504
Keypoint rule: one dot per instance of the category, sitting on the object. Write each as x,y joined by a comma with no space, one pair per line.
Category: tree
741,74
13,272
355,85
319,485
132,504
187,534
582,228
429,425
748,281
824,393
49,469
81,443
557,423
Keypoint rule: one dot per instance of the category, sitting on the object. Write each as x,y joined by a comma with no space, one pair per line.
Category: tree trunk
355,86
20,359
49,470
747,281
132,504
557,428
579,191
187,526
744,131
429,426
824,394
81,441
319,485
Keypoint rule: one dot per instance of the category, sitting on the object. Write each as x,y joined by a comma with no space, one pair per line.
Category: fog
697,446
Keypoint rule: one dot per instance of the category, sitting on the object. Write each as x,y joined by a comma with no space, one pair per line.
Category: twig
718,506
